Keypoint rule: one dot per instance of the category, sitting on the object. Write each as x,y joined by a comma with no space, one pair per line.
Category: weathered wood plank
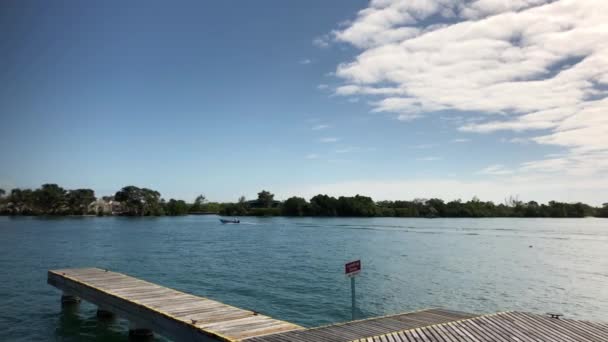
503,327
183,316
367,328
169,312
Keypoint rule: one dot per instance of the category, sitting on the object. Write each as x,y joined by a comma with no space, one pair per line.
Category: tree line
364,206
51,199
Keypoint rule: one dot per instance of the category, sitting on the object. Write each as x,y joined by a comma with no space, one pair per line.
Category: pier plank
368,327
169,312
186,317
502,327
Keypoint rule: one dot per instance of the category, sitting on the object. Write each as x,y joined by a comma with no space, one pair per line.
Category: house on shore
106,205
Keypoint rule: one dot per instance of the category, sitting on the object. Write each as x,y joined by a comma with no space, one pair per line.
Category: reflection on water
291,269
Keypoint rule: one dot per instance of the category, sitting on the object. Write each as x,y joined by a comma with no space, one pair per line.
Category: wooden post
139,333
69,299
104,313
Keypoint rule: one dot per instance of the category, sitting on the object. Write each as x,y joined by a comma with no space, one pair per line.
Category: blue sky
228,98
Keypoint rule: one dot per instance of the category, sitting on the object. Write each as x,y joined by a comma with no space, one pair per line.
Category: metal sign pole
352,290
352,269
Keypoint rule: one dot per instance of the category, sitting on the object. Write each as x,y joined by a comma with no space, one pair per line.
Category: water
292,269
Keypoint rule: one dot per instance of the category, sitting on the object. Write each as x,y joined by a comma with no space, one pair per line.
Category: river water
292,268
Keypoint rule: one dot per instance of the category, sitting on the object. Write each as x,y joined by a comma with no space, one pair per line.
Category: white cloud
542,189
518,65
344,150
322,86
577,165
321,41
429,158
320,127
460,140
518,140
312,156
354,89
423,146
329,140
305,61
495,170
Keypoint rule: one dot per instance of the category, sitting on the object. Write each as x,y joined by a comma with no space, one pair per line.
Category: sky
389,99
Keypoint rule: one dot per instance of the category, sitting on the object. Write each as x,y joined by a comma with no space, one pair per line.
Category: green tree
439,206
139,202
242,206
532,209
79,200
296,206
235,209
356,206
152,205
323,205
176,208
20,202
603,211
212,207
131,199
199,204
50,199
232,209
265,198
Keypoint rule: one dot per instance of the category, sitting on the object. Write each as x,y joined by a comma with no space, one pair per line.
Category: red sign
352,267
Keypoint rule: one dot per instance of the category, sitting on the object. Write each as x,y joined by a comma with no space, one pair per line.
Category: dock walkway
171,313
502,327
185,317
367,327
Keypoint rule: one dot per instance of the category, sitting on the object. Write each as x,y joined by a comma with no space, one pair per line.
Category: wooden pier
174,314
355,330
185,317
502,327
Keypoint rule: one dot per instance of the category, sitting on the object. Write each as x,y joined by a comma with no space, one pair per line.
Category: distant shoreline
309,216
53,200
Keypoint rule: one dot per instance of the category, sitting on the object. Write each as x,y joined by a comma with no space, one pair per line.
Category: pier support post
103,313
68,299
139,333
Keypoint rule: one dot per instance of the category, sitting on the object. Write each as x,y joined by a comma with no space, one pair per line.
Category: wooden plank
503,327
183,316
362,329
171,313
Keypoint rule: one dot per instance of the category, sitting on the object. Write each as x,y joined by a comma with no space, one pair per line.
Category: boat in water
230,221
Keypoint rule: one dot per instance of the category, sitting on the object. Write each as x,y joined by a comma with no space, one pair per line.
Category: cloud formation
430,158
521,65
320,127
495,170
526,188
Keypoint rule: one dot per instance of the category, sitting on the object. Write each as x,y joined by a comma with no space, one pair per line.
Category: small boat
230,221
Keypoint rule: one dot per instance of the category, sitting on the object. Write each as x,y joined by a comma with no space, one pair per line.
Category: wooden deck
185,317
502,327
171,313
367,327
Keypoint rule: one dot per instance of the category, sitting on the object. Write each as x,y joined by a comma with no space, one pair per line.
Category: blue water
292,269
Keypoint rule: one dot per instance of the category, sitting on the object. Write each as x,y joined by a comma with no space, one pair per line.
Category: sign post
352,269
